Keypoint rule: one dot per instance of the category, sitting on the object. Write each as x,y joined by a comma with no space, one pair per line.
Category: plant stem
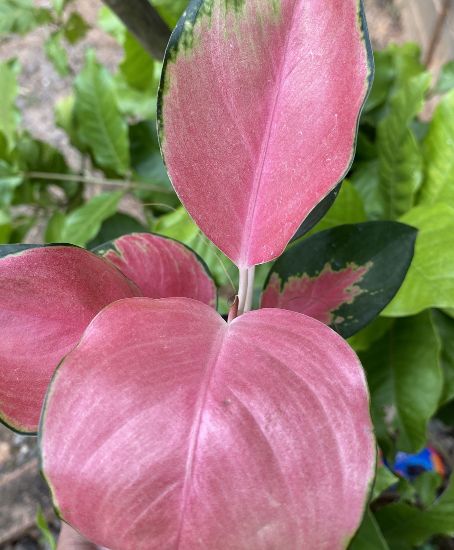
437,32
95,181
144,22
250,288
242,290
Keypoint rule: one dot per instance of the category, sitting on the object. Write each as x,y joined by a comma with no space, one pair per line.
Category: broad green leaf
362,340
438,183
9,116
54,227
406,526
101,127
75,28
426,486
170,10
56,53
347,208
369,536
366,180
405,380
400,160
83,224
21,16
116,226
66,119
446,79
34,155
137,65
9,180
132,102
444,326
430,279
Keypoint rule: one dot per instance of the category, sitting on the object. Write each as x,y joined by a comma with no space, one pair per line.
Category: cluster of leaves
403,171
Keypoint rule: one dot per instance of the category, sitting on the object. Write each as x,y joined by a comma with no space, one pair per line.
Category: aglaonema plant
164,425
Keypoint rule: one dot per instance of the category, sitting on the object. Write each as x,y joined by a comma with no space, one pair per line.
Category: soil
40,88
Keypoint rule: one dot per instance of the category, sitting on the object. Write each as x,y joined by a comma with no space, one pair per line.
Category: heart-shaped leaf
342,276
48,295
160,267
258,109
195,433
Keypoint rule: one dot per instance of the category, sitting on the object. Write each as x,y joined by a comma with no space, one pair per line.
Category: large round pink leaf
48,296
258,111
169,428
160,267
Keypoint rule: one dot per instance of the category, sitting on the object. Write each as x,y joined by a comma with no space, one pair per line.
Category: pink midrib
258,172
216,353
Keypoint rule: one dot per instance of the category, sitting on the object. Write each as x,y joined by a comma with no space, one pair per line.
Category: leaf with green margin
343,276
137,65
405,526
101,126
438,150
430,279
369,536
400,159
56,53
75,28
446,79
444,325
9,180
405,378
21,16
116,226
9,116
170,10
82,224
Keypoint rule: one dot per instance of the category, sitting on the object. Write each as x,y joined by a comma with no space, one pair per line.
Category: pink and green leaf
195,433
160,267
343,276
258,111
48,296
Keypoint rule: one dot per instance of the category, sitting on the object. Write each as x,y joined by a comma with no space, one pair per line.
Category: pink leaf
48,296
259,104
160,267
194,433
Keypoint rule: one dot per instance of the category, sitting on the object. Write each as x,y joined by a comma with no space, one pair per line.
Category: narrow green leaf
438,183
137,65
405,380
446,79
75,28
101,126
56,53
43,526
9,116
83,224
430,279
369,536
444,326
404,524
400,160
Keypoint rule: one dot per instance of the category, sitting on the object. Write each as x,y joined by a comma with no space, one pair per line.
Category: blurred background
63,179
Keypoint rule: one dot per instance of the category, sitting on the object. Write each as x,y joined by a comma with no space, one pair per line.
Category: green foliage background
403,170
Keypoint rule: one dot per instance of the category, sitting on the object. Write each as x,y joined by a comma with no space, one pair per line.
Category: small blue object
410,466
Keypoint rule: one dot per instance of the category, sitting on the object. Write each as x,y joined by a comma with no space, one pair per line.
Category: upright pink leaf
48,296
160,267
194,433
259,104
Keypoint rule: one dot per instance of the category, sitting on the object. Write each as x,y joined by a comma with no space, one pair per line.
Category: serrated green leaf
9,116
405,380
100,125
438,183
446,79
21,16
83,224
369,536
430,279
400,159
137,65
444,326
405,526
56,53
75,28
